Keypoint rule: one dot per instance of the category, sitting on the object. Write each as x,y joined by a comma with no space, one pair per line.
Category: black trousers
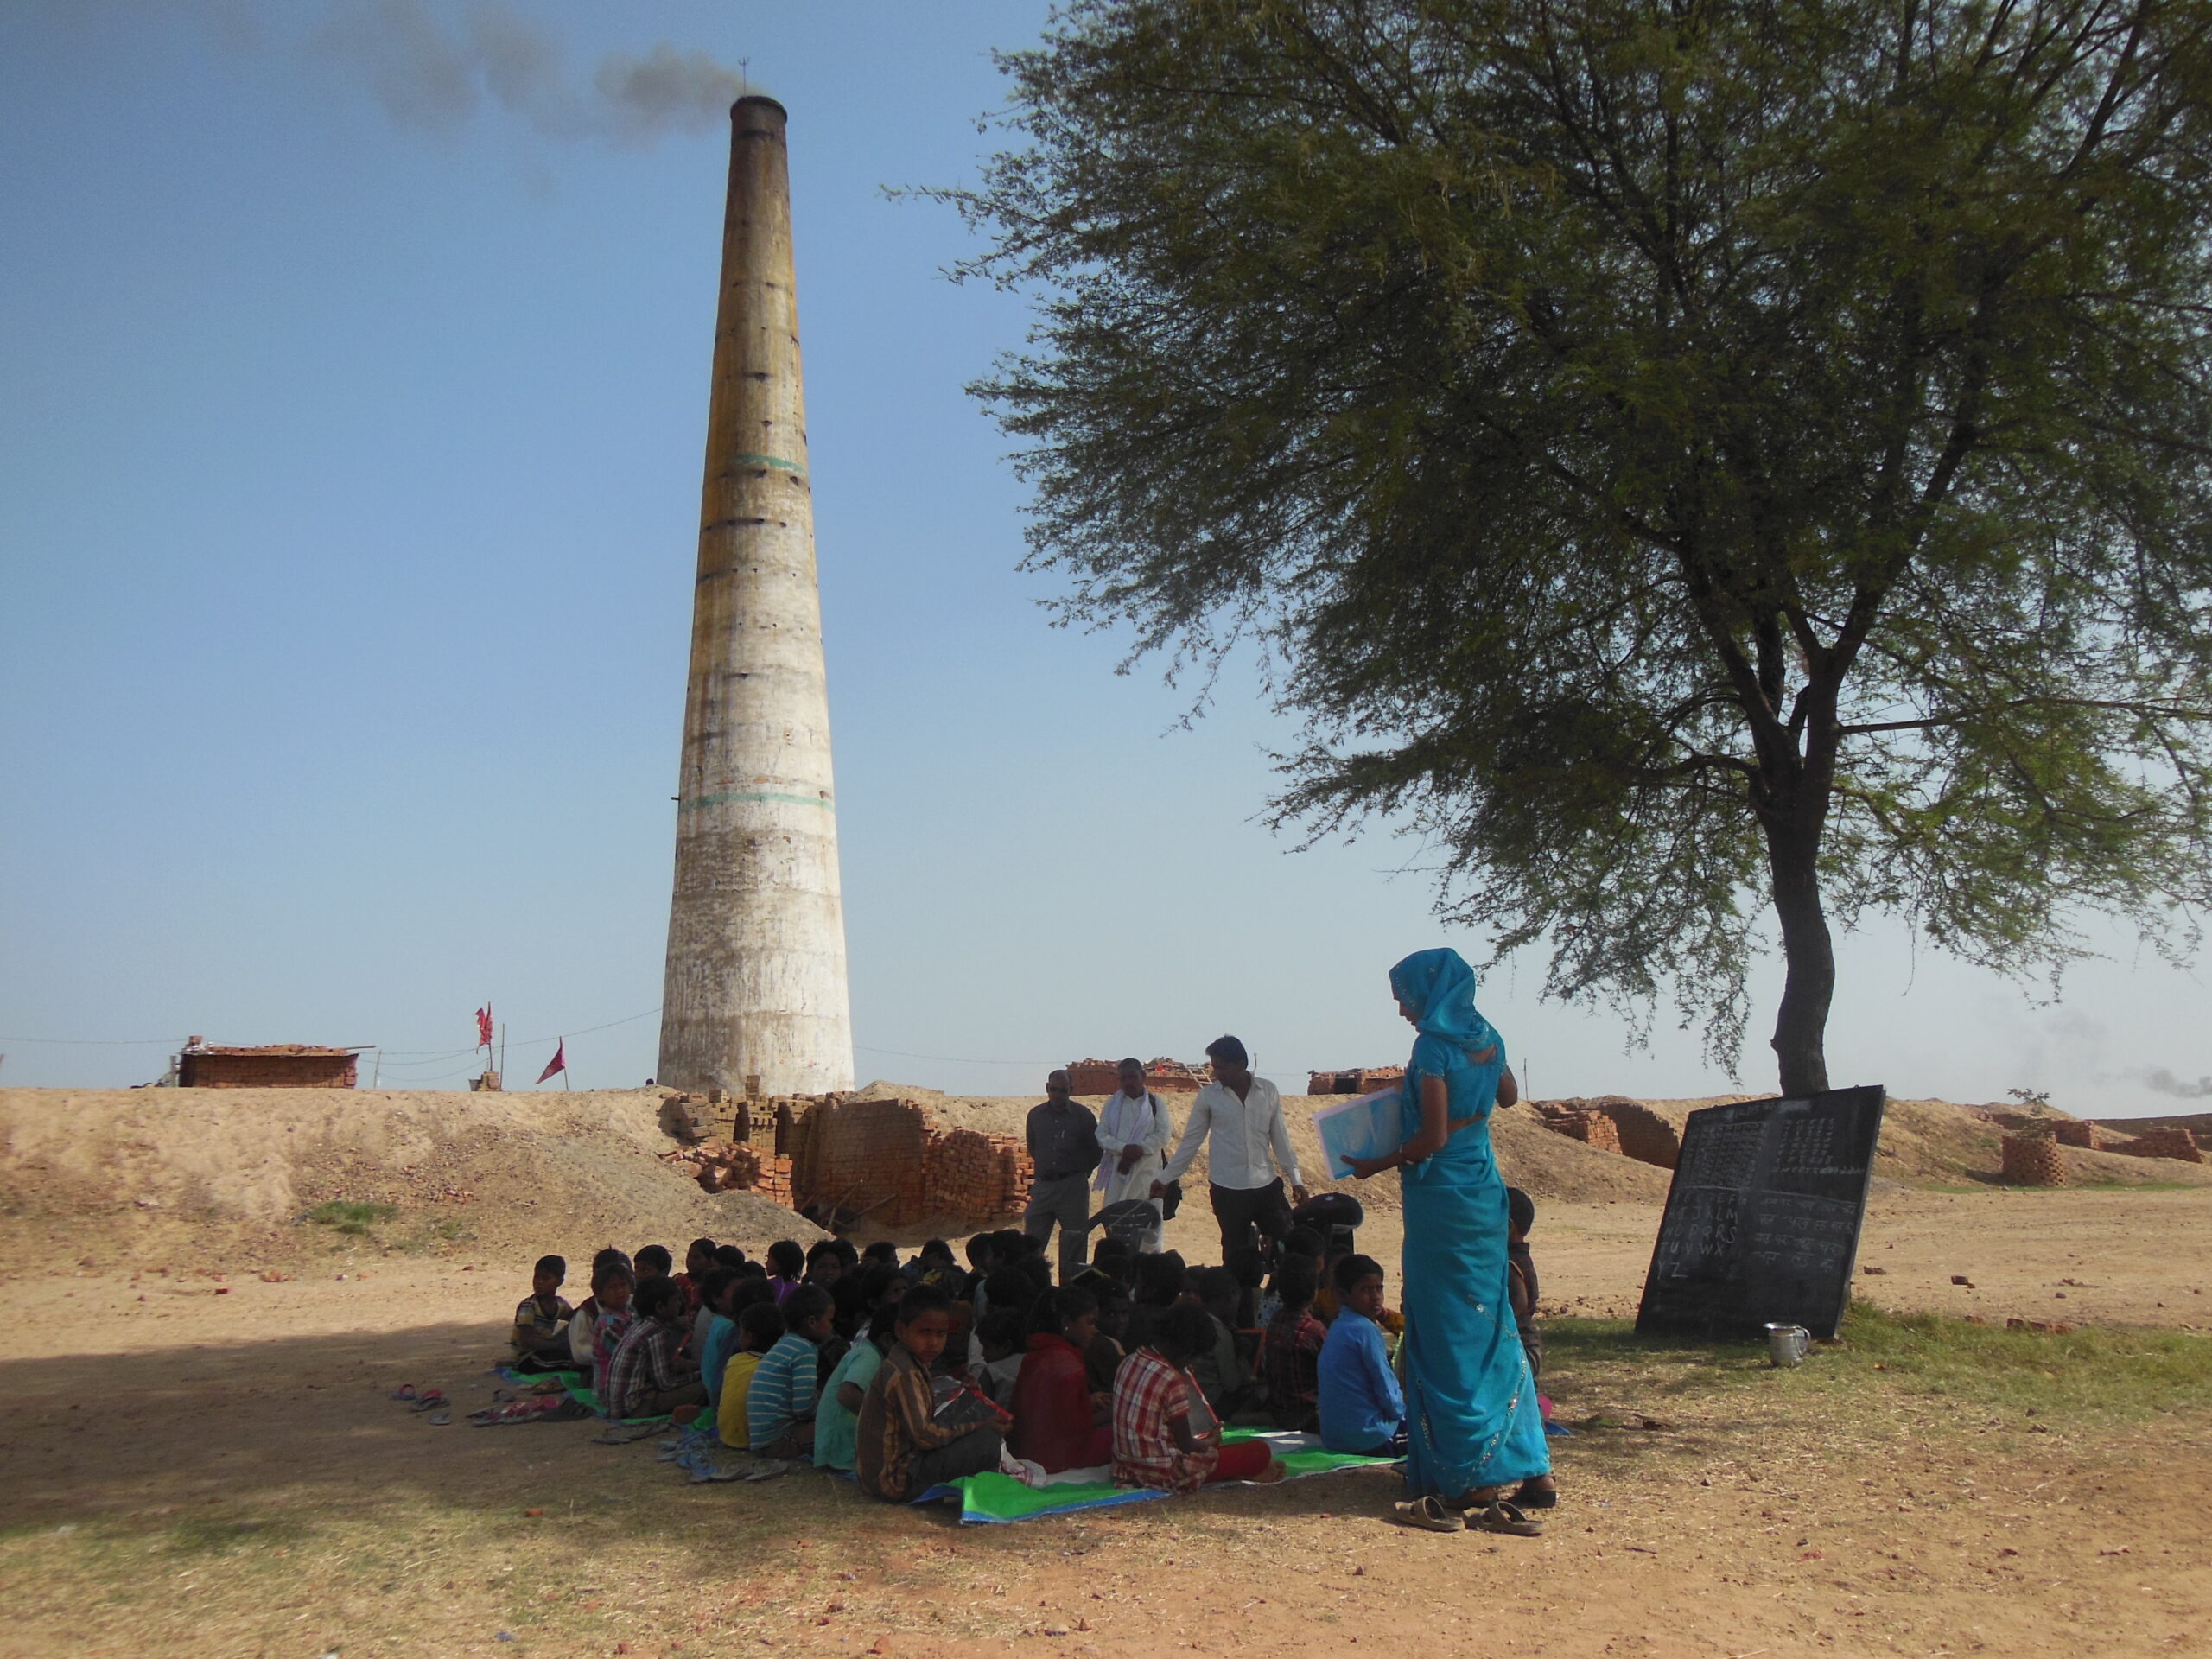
1241,1211
976,1453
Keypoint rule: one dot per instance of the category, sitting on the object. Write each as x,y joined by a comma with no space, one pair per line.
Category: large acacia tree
1691,460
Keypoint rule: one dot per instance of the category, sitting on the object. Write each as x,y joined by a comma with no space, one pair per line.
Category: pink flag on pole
558,1063
484,1027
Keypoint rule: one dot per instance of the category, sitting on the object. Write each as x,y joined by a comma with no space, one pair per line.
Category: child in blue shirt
1363,1409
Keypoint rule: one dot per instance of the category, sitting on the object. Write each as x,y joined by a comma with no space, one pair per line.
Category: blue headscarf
1439,987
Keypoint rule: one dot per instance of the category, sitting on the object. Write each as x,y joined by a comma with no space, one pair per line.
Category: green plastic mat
999,1500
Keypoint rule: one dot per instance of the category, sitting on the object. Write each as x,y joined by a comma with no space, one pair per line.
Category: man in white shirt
1239,1119
1134,1130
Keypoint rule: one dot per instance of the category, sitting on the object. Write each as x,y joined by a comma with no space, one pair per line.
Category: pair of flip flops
1431,1514
429,1399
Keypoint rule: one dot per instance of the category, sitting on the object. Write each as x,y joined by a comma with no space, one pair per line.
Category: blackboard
1763,1218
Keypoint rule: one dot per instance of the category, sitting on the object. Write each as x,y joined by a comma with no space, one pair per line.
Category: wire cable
954,1059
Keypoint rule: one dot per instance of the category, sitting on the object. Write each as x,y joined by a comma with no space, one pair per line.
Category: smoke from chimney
2158,1078
435,68
434,72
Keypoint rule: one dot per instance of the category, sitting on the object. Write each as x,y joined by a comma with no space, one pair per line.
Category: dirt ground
202,1462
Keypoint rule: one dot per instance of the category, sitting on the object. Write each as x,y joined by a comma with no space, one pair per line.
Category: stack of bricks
888,1163
2161,1143
1593,1128
2073,1132
973,1174
2032,1160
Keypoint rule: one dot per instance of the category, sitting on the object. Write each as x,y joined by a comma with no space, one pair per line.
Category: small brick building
275,1065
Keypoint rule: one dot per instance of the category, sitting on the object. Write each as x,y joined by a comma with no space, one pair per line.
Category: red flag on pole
484,1027
558,1063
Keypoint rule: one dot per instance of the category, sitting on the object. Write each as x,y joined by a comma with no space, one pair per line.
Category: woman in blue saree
1472,1424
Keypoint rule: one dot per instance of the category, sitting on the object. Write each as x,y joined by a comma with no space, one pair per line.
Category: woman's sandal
1506,1517
1530,1496
1430,1515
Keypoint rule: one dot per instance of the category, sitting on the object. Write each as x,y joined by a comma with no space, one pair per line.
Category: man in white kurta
1133,1130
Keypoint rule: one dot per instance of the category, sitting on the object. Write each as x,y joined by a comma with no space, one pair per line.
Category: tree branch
2154,710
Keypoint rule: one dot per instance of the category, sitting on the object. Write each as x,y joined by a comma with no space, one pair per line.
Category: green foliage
354,1215
1688,462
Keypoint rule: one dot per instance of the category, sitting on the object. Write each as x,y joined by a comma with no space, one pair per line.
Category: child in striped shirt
779,1408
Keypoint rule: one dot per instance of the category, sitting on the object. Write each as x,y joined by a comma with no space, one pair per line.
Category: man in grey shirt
1063,1151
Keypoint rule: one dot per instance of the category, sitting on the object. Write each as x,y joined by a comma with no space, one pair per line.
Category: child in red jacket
1059,1423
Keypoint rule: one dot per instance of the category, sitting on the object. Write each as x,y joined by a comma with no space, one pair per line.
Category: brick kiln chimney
756,930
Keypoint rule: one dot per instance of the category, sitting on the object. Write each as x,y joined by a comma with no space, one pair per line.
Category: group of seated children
905,1376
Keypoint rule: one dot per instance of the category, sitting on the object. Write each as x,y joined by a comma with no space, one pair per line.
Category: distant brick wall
2160,1143
2070,1133
2032,1160
1639,1132
1365,1081
266,1071
1592,1128
1162,1076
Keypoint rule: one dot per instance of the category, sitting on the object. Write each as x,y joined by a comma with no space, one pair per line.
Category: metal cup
1786,1344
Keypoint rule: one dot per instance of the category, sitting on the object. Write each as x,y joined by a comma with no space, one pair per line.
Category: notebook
1367,1126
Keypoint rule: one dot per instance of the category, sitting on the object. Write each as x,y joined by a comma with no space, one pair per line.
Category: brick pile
971,1173
886,1162
2160,1143
724,1166
733,1144
2072,1132
1593,1128
2032,1160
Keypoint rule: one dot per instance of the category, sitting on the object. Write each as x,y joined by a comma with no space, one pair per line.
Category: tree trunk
1801,1026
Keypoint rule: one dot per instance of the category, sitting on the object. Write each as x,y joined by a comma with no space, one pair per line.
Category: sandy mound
517,1173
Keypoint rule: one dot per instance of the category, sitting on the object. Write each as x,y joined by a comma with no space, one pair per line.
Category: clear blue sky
354,365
